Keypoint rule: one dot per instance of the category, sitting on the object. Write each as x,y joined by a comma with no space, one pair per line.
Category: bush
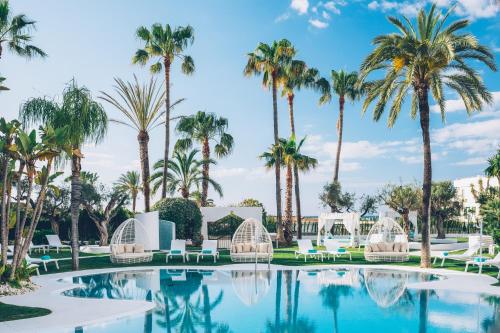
39,236
185,214
225,226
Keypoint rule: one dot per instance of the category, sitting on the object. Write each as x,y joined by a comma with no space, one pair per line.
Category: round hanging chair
251,243
386,241
385,287
127,244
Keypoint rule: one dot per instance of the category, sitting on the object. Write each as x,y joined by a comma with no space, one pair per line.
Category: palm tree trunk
340,128
143,139
423,311
288,297
4,225
204,183
206,310
440,228
295,170
423,101
277,303
288,206
296,298
76,193
166,152
277,166
134,201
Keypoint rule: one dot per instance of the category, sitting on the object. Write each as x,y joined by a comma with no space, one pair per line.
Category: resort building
465,191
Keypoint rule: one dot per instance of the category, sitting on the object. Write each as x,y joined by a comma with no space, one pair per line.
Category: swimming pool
326,300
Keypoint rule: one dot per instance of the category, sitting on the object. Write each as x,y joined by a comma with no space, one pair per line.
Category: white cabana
327,220
212,214
148,226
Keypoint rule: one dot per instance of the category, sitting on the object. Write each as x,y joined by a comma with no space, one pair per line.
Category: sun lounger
306,249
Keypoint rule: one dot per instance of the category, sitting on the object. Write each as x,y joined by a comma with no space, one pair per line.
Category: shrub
225,226
185,214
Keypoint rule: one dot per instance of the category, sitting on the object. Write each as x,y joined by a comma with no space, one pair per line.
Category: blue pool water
293,301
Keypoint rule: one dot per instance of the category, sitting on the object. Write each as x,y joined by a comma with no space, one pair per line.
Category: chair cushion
312,251
139,248
117,249
175,251
263,248
247,247
239,248
129,248
206,251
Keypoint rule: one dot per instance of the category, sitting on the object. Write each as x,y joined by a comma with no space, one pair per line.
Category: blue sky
93,41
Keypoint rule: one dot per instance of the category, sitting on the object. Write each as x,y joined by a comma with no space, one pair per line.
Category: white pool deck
70,312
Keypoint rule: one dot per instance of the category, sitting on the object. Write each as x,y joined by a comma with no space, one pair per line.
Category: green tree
403,199
444,204
130,184
185,174
423,59
493,169
15,32
271,61
296,77
345,86
203,128
86,122
163,45
141,106
288,151
333,197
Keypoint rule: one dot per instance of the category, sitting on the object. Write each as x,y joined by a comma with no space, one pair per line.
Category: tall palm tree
298,76
204,127
271,61
344,85
15,32
141,105
423,59
164,45
130,183
493,168
288,151
184,175
86,122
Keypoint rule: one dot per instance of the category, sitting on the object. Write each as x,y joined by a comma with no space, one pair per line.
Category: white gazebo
327,220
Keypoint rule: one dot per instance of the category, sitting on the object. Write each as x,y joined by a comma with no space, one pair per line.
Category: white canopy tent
327,220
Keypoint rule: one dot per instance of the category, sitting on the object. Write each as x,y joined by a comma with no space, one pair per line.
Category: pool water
294,301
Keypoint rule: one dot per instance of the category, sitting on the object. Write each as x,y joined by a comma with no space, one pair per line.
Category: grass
13,312
282,256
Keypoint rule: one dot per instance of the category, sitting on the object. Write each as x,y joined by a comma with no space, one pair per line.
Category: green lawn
282,256
14,312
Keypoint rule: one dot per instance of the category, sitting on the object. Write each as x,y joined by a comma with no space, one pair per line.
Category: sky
93,41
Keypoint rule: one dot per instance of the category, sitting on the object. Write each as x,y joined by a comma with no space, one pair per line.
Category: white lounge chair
177,249
208,248
467,255
38,248
306,249
44,262
334,248
55,241
30,265
489,262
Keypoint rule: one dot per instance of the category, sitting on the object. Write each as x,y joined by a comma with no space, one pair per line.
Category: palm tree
86,122
184,174
14,31
420,60
493,169
141,106
288,151
271,61
343,85
298,76
205,127
164,45
130,184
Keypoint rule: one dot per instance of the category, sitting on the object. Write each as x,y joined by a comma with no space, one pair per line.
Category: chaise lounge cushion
117,249
129,248
139,248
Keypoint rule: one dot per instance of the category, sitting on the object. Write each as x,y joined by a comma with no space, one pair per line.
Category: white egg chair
386,242
128,243
251,243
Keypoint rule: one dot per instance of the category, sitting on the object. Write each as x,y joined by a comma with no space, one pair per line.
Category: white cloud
300,6
473,161
318,23
373,5
325,15
282,17
454,105
488,129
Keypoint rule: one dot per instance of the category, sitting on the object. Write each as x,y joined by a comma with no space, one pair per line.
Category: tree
164,45
185,174
368,205
86,122
205,127
444,204
403,199
422,60
288,151
338,201
296,77
271,61
129,184
141,105
101,205
493,169
15,32
56,206
345,86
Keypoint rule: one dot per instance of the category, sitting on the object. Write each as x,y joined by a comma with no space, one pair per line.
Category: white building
464,192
